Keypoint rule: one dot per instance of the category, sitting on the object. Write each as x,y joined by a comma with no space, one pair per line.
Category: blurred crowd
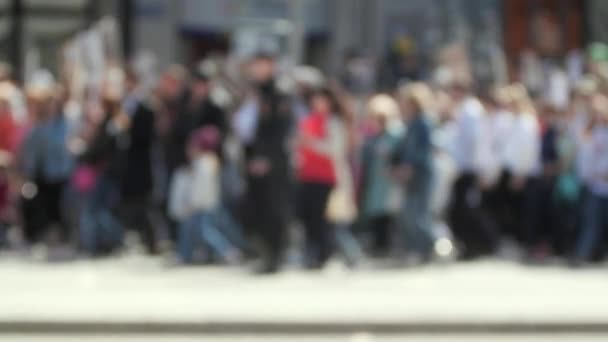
228,163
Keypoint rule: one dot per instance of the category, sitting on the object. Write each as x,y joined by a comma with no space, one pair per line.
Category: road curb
302,328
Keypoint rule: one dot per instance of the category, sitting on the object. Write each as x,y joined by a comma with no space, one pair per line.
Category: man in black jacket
198,110
263,125
137,181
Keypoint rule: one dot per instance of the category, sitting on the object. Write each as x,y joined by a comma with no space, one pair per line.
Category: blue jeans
416,219
227,225
595,220
348,244
200,229
99,227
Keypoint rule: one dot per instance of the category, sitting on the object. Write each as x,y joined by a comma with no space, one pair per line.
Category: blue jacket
45,153
416,149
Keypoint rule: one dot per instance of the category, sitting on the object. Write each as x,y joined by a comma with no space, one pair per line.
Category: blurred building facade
316,32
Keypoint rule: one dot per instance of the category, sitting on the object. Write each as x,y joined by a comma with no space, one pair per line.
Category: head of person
200,87
443,106
171,83
458,85
39,94
599,109
521,102
39,102
414,99
59,99
583,92
261,69
382,109
306,80
204,140
113,90
131,80
498,99
324,102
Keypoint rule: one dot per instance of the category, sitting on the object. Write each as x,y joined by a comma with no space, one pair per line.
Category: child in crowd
195,200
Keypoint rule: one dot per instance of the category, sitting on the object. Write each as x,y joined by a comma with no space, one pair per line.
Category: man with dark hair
198,110
137,182
263,125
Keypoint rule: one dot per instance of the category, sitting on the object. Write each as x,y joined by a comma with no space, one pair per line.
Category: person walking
316,175
466,216
414,168
137,183
595,173
379,192
263,125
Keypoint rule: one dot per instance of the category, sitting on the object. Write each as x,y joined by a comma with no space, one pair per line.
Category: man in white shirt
467,219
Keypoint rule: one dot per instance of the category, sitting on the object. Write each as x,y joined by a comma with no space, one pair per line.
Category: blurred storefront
33,31
295,28
398,35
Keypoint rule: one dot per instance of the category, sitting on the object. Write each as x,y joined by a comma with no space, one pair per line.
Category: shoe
267,268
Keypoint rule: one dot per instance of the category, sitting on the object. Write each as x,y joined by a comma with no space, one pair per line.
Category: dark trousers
541,212
266,216
471,225
508,206
101,231
594,224
312,204
380,227
45,209
135,213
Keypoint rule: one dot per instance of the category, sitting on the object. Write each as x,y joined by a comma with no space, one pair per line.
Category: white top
584,159
246,120
597,162
495,130
465,147
522,146
195,188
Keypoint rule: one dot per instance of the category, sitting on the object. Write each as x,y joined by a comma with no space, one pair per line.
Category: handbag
341,206
84,178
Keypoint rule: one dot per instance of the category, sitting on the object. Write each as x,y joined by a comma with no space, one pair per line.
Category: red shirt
313,166
7,132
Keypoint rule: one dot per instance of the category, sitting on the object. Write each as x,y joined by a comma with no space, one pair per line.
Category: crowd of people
427,170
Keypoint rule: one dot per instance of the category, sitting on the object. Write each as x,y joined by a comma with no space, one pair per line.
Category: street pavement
136,293
335,338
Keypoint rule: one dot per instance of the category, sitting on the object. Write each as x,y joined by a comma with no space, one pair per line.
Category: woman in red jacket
316,176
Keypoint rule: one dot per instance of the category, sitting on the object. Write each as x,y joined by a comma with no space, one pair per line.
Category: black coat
269,196
186,122
106,151
138,179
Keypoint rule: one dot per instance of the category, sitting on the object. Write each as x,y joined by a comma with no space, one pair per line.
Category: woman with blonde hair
414,168
378,191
